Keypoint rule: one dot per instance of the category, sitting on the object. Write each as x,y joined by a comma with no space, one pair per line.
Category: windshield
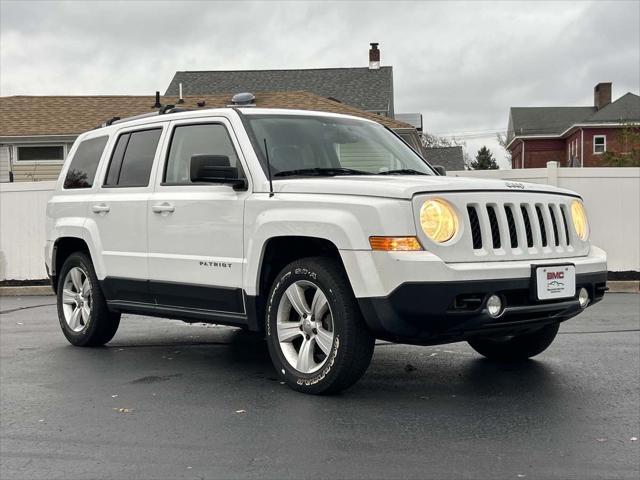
300,145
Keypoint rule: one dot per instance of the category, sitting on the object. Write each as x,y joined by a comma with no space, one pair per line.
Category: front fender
346,221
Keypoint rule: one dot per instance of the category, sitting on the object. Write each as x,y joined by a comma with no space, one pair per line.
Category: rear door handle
101,208
164,207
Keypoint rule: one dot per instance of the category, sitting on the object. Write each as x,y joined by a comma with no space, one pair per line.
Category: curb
627,286
616,286
26,291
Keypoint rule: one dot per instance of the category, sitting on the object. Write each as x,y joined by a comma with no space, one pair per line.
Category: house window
40,153
599,144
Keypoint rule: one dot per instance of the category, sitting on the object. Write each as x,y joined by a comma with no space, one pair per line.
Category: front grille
518,226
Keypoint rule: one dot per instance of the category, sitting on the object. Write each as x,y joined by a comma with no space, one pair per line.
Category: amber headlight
438,220
579,216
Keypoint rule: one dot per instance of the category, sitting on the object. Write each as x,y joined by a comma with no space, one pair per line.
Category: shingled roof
553,121
72,115
451,158
364,88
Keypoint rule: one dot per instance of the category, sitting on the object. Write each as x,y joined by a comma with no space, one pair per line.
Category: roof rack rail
135,117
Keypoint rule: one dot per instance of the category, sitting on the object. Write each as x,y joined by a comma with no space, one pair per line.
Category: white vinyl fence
611,195
22,229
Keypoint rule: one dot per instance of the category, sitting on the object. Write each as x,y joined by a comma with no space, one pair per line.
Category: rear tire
516,348
317,338
82,310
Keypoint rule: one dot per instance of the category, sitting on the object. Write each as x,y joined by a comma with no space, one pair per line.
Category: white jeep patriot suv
322,231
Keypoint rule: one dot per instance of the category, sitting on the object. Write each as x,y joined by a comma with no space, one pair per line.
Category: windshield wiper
321,172
402,171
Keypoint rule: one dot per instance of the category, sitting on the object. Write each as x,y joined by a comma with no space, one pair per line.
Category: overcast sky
461,64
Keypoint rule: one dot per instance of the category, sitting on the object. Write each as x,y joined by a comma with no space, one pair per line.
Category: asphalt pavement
170,400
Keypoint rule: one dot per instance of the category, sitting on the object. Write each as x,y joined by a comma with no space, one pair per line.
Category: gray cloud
461,64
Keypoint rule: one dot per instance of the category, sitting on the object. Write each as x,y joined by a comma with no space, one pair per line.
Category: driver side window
190,140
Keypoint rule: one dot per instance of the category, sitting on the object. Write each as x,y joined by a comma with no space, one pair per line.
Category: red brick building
572,136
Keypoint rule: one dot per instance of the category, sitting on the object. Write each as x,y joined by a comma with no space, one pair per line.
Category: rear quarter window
133,158
84,163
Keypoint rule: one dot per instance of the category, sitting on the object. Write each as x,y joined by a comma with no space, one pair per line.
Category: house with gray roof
572,136
451,158
367,88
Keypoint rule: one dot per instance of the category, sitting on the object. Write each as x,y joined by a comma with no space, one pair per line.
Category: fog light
494,306
583,297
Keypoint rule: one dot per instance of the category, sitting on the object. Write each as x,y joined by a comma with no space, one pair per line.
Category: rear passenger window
132,159
190,140
85,163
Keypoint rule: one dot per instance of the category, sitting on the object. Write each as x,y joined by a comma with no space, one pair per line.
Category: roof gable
370,90
72,115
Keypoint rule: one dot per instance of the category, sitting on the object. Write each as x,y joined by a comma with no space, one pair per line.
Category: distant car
354,238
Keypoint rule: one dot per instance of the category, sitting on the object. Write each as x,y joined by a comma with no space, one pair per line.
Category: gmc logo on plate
555,275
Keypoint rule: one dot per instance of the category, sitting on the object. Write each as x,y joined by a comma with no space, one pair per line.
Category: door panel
196,230
119,213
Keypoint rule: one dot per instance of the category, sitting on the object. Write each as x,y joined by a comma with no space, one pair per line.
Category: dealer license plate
555,281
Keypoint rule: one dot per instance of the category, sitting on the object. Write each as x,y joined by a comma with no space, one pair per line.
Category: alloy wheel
305,326
76,299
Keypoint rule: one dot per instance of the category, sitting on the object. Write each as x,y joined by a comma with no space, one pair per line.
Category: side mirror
215,169
440,170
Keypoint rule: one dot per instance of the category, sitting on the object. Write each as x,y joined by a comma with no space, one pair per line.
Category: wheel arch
277,252
63,247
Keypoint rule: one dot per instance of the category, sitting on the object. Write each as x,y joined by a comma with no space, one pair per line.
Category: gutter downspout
581,148
522,156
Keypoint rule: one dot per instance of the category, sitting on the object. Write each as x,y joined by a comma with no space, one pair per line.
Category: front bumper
429,313
422,300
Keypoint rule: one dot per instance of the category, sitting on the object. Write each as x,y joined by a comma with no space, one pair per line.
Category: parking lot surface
170,400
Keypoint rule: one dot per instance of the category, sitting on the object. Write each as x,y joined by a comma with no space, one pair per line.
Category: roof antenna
157,104
266,151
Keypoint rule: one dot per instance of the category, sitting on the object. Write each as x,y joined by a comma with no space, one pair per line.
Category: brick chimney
602,95
374,57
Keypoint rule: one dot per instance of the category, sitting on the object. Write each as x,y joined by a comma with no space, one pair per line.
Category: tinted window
189,140
85,163
116,160
133,158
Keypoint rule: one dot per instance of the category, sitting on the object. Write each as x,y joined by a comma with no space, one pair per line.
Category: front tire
317,338
518,347
82,310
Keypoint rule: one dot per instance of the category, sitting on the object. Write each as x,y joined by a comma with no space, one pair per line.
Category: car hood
403,186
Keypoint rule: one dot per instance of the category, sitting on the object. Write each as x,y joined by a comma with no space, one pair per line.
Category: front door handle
101,208
164,207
